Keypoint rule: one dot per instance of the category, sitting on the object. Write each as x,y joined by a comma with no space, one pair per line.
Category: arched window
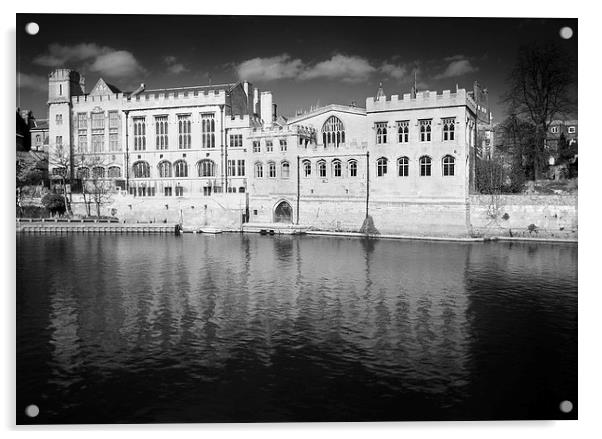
98,172
206,168
352,165
306,168
403,166
285,170
449,163
259,170
321,168
141,169
425,166
180,168
271,170
381,166
83,173
114,172
333,132
38,139
164,169
336,168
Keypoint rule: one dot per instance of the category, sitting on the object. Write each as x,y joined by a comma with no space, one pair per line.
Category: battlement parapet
423,99
283,130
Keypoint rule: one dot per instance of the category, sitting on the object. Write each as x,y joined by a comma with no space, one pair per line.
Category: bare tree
540,90
60,158
95,185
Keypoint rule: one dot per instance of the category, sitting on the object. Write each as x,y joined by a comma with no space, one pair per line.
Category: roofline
330,107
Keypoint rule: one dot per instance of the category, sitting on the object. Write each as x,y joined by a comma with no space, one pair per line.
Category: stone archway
283,213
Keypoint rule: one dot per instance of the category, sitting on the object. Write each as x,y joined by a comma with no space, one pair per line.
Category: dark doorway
283,213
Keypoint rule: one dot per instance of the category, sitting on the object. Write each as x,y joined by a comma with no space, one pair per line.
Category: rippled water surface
118,328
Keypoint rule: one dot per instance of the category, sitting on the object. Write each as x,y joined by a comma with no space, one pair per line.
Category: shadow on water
252,328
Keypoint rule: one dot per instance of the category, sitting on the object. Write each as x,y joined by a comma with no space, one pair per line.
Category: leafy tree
55,203
566,150
540,90
60,158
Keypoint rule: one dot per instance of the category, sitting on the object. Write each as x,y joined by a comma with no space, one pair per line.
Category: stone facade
403,160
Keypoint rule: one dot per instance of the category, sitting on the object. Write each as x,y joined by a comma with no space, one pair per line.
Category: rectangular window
231,168
241,168
235,140
82,143
208,130
425,130
283,145
59,140
167,191
206,190
269,146
256,146
554,130
97,142
403,131
139,133
113,120
572,130
82,121
59,119
98,121
114,142
179,191
449,128
381,132
272,170
184,130
161,134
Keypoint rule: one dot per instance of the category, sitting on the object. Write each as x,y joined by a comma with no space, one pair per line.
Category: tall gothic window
403,131
381,132
285,170
114,172
258,170
208,130
321,168
306,168
333,132
449,163
425,130
381,166
98,121
448,128
98,141
184,124
352,164
139,133
336,168
161,135
271,170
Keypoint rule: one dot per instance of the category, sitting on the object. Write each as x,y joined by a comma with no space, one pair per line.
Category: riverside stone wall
528,216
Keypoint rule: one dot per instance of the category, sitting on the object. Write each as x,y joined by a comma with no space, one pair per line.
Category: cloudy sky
305,61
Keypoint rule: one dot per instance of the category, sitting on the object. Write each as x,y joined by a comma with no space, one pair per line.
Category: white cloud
33,82
174,67
266,69
394,71
343,67
101,59
456,67
339,67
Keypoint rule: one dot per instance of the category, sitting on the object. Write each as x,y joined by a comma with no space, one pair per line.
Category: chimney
256,103
139,90
266,113
274,112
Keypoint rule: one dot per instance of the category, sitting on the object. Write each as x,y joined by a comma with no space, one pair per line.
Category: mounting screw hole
32,28
566,406
32,410
566,33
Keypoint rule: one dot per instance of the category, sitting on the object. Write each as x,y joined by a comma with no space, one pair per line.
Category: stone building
403,160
